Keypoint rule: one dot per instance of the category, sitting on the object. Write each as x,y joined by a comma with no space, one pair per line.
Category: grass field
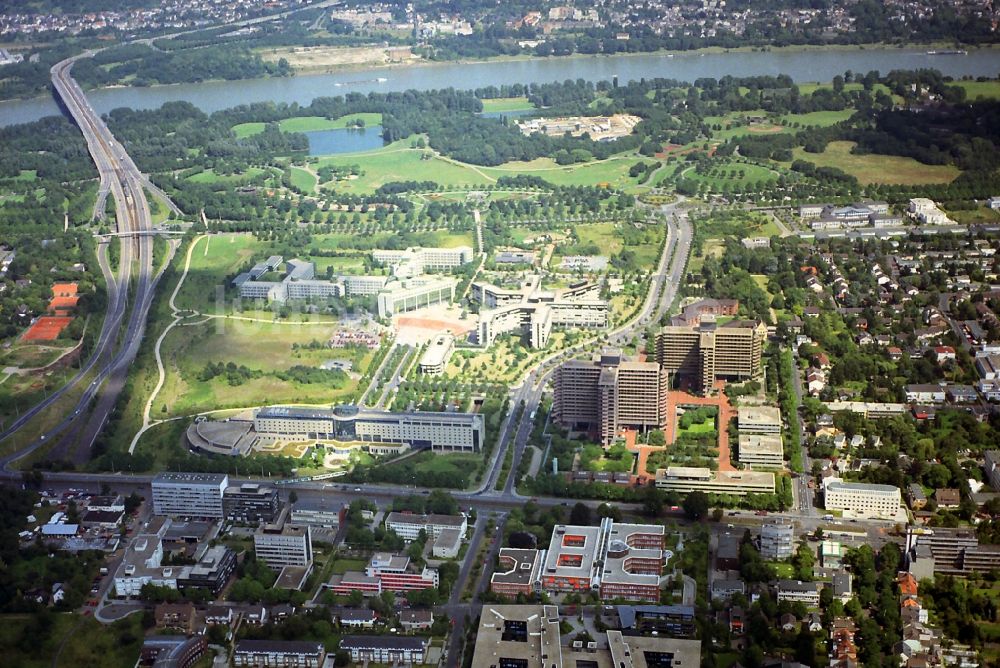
399,162
601,234
711,248
733,174
818,118
88,642
303,179
501,104
872,168
613,171
210,176
308,124
976,89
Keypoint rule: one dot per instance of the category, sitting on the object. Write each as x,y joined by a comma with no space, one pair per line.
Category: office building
671,620
761,449
532,312
415,261
518,572
411,294
615,560
862,499
759,420
440,432
189,494
992,458
448,544
409,525
528,636
325,517
278,654
737,483
250,503
386,650
609,394
948,552
384,572
284,544
709,351
777,539
212,571
434,361
172,651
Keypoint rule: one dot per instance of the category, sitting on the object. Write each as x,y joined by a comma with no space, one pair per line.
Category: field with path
874,168
502,104
309,124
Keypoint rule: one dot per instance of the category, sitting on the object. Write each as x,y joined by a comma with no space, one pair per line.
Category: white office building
409,295
861,499
415,261
761,449
283,544
759,420
189,494
435,359
441,432
409,525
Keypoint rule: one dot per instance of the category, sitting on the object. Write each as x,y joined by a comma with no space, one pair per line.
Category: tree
293,497
580,515
695,505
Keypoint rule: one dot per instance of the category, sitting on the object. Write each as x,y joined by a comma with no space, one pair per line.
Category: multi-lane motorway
114,349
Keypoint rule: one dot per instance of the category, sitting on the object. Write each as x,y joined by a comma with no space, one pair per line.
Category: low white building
435,359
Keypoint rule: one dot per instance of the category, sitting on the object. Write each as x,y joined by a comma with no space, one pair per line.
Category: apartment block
609,394
777,539
707,352
861,499
189,494
387,650
440,432
384,572
278,654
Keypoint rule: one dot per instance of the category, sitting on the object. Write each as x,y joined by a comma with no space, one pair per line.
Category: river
802,66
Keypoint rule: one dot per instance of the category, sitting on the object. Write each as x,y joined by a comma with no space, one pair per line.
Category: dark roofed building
385,649
278,653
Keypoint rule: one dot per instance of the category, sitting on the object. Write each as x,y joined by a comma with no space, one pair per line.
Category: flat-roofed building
777,539
797,591
409,525
761,449
284,544
616,560
278,654
862,499
415,261
737,483
212,571
440,432
528,636
321,517
409,295
992,459
250,503
172,651
189,494
519,572
447,544
759,420
708,352
435,358
673,620
610,393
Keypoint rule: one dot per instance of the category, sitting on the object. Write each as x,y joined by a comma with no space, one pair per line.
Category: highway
114,349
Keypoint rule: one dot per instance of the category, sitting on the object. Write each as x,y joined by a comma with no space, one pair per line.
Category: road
114,350
804,494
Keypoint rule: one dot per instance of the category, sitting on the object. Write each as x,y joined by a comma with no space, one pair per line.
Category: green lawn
501,104
211,176
603,235
399,162
975,89
309,124
732,173
303,179
883,169
818,118
341,566
613,172
27,175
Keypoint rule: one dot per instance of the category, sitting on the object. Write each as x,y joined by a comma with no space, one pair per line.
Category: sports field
872,168
47,328
501,104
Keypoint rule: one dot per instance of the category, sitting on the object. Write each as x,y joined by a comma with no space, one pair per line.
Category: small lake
344,140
